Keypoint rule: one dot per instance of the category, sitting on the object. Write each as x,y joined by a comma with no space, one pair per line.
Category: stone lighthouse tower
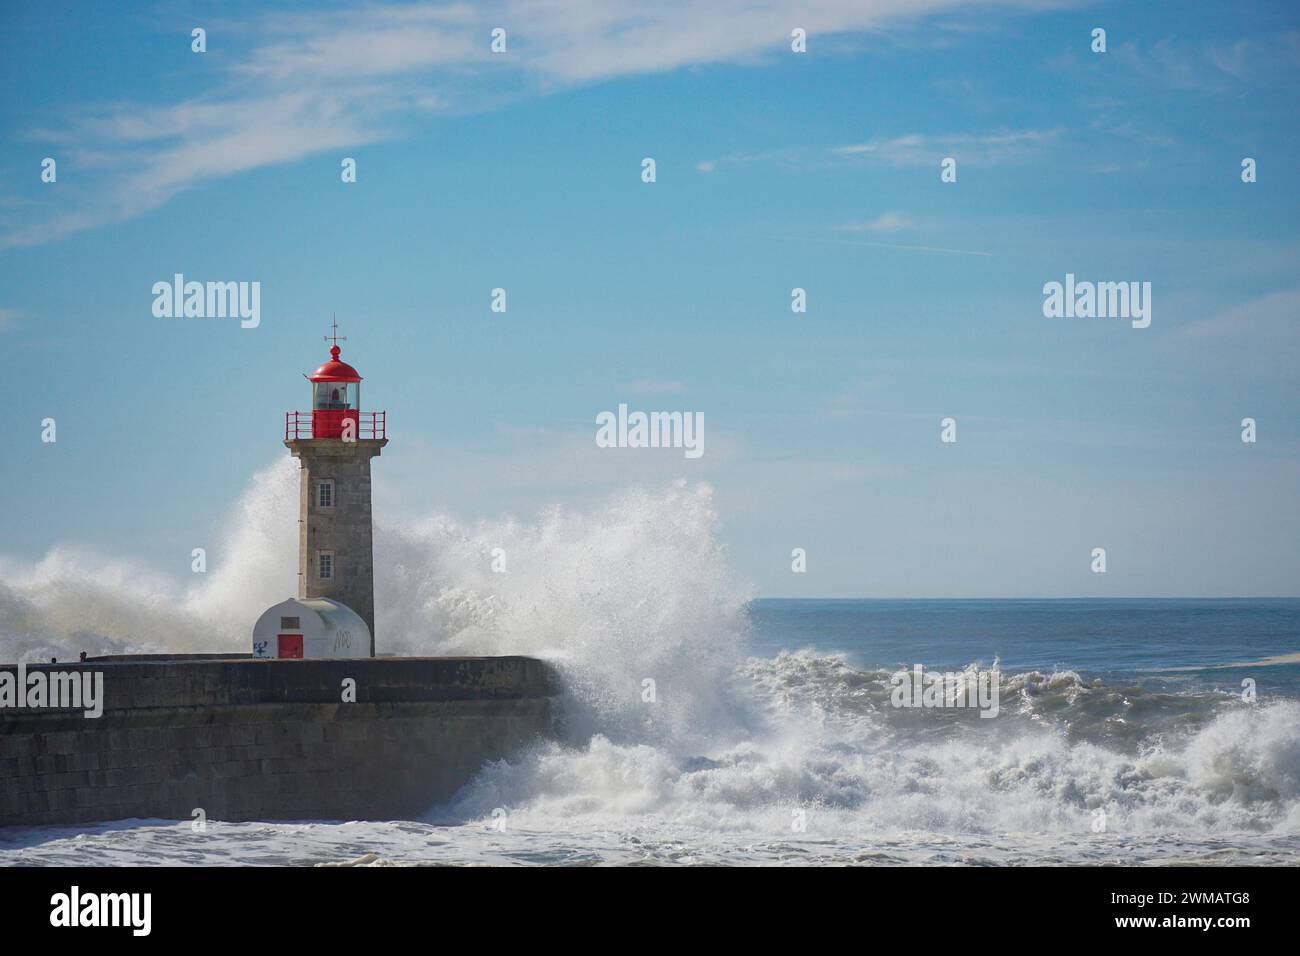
334,444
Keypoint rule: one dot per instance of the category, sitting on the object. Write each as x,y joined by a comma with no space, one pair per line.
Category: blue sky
775,170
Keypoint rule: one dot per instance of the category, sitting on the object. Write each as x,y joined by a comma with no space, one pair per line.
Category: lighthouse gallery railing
329,423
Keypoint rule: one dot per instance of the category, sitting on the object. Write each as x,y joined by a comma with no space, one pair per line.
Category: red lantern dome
335,370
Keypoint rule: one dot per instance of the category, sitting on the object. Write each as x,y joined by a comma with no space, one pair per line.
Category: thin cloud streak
916,149
885,222
882,245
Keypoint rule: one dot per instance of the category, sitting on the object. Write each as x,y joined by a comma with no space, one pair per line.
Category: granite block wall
271,739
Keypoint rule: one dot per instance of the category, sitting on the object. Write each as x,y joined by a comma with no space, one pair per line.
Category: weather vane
336,338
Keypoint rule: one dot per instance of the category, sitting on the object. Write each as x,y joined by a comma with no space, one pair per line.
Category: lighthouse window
325,494
332,395
325,565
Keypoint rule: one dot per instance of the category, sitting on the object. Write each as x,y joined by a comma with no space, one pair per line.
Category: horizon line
1152,597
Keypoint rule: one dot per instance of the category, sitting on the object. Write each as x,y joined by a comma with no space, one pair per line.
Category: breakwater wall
354,739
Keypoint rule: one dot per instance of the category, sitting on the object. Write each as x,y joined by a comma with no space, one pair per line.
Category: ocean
1131,709
710,728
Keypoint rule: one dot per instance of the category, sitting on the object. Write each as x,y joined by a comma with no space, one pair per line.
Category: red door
290,645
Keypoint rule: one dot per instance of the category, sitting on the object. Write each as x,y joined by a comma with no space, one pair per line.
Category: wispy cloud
916,149
885,222
335,78
1255,338
8,319
885,245
1273,316
912,149
1224,66
851,402
794,158
1220,67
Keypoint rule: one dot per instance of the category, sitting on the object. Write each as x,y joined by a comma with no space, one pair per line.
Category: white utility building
310,627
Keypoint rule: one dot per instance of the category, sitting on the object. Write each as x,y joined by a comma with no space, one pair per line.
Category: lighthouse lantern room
335,397
333,443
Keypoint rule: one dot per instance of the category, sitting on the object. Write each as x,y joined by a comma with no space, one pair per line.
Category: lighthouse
333,443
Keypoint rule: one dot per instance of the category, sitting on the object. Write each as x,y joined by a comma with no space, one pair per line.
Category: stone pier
271,739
